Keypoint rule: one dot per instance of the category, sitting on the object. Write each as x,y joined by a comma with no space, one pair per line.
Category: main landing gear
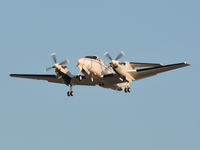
70,93
127,90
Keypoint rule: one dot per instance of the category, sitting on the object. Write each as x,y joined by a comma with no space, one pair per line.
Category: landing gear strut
128,89
70,93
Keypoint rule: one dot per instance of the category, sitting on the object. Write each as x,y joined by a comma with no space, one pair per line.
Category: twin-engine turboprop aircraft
116,75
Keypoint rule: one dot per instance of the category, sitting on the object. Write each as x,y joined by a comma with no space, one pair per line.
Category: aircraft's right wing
74,80
147,72
49,78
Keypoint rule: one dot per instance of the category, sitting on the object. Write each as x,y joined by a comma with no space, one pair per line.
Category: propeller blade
53,55
49,68
120,55
108,55
64,62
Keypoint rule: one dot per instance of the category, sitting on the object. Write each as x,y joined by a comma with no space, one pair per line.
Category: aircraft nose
80,62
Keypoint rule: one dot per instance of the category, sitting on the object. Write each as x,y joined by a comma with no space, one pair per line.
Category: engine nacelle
122,70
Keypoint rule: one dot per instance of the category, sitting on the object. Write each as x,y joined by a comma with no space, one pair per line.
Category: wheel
68,93
71,93
129,90
125,90
80,77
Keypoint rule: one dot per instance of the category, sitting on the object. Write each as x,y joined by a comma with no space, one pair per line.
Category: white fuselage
95,68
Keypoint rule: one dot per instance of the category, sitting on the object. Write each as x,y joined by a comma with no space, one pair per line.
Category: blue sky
162,112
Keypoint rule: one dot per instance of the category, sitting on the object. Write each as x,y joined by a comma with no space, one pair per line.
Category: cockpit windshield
91,57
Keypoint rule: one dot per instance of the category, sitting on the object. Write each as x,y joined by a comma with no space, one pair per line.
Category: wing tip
187,63
11,75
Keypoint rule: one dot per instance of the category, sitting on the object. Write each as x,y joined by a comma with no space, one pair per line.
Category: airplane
94,71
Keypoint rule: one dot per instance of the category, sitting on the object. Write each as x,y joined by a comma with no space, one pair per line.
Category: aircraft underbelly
118,87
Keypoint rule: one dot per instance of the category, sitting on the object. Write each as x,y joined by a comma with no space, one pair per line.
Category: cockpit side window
91,57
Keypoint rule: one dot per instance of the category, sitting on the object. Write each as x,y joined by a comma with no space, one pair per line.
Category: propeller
121,54
53,55
115,61
108,55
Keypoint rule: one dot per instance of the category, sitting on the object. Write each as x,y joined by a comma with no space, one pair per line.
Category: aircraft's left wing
138,64
147,72
49,78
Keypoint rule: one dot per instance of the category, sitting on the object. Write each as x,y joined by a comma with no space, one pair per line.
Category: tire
68,93
71,93
125,90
